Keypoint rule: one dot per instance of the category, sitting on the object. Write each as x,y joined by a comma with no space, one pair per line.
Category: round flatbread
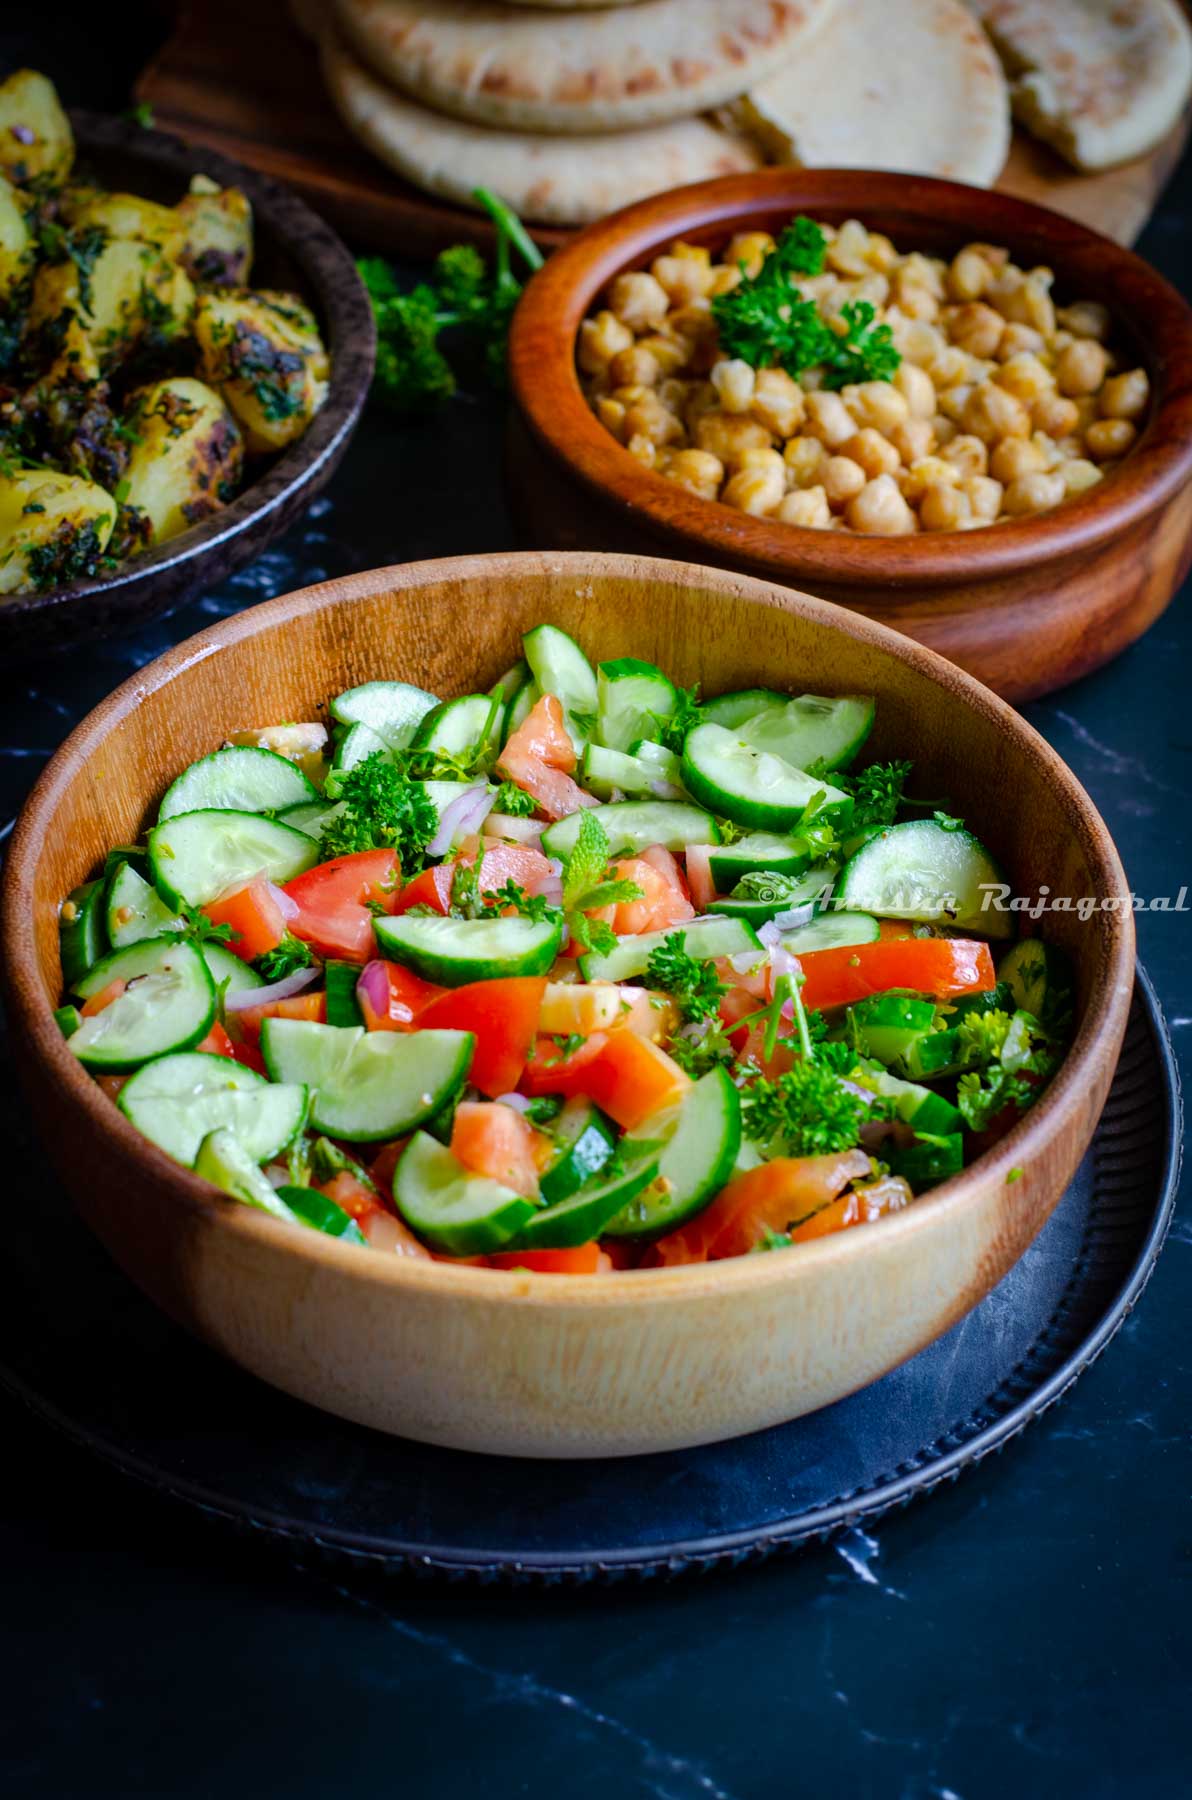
607,70
550,181
1100,80
931,100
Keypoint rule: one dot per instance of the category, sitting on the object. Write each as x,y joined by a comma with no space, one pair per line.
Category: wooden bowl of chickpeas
216,349
972,419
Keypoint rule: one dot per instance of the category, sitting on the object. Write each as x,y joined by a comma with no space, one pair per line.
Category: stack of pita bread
570,108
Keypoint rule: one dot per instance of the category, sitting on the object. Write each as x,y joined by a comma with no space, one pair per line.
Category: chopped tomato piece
495,1141
652,1015
217,1042
312,1007
770,1197
662,907
349,1192
381,1227
497,863
539,757
432,888
249,1057
571,1008
257,921
893,930
698,859
584,1259
549,1072
384,1163
667,866
504,1016
406,997
332,914
105,996
632,1079
939,966
861,1206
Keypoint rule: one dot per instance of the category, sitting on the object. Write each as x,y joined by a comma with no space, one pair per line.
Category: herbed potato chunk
16,242
186,458
99,299
217,227
53,529
264,351
125,216
36,142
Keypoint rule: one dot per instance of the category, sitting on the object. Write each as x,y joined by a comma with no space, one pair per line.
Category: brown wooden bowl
1027,605
295,250
542,1365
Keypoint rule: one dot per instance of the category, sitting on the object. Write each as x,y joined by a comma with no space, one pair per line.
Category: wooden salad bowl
1027,605
534,1364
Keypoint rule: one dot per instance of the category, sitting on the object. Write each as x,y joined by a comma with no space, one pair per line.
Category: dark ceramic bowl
295,250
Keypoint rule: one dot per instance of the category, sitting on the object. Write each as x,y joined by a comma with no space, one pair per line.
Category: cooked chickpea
875,453
634,367
804,457
734,383
1080,367
1033,493
777,402
1000,406
976,328
841,478
968,454
726,436
1126,396
756,491
944,508
1109,437
992,413
1014,457
879,510
698,471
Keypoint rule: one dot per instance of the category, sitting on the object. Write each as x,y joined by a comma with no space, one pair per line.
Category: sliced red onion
550,888
697,860
289,909
795,916
519,831
519,1102
279,990
769,935
554,864
743,961
373,986
462,816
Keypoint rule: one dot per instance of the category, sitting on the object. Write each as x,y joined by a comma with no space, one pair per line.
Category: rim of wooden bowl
1147,311
31,1009
331,285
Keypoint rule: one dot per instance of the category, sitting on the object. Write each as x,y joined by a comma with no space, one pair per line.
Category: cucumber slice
224,1161
923,1165
585,1141
813,729
238,779
702,1140
889,1024
605,772
511,683
661,764
357,743
453,952
82,937
177,1100
832,931
1039,978
732,710
923,871
752,787
761,852
632,699
586,1214
520,707
133,910
321,1214
67,1019
913,1104
451,1209
635,825
392,710
469,724
800,894
311,816
169,1005
198,855
367,1085
339,979
560,668
705,938
230,973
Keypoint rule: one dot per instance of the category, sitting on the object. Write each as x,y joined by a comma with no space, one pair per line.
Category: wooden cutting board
237,75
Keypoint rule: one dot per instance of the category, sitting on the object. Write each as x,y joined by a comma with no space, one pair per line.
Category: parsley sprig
382,810
692,981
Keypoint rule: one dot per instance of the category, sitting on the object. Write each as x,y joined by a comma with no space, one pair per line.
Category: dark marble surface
1025,1631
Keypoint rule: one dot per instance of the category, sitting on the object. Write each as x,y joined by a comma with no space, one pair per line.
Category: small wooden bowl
1027,605
541,1365
294,250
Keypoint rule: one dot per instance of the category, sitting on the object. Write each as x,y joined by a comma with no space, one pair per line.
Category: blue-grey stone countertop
1024,1631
